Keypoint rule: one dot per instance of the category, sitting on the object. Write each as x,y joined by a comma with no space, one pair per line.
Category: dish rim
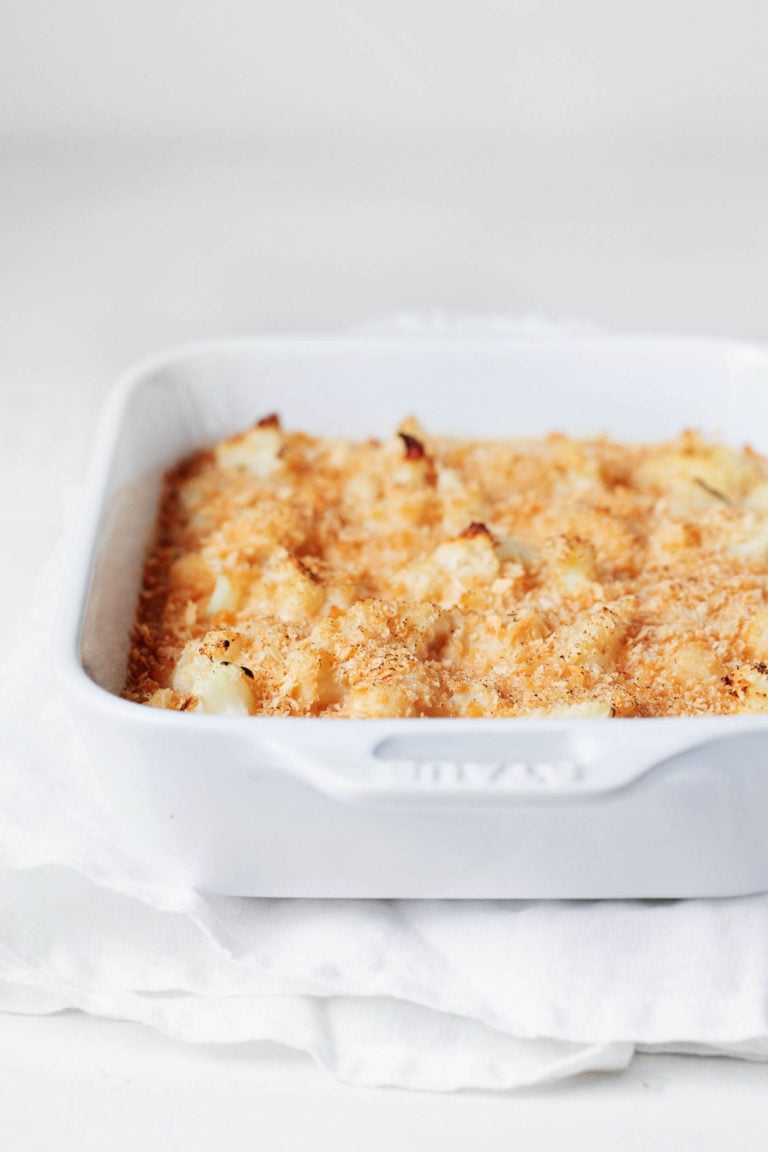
84,539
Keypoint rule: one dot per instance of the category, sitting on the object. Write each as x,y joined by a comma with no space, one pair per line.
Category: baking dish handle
442,769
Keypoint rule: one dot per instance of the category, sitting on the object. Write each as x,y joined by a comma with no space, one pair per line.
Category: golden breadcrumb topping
297,575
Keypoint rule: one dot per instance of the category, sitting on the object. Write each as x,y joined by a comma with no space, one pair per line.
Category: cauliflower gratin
297,575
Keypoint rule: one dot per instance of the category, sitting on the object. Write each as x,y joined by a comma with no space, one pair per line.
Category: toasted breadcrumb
294,575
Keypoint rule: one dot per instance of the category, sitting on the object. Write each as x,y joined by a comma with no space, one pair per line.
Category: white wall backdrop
240,68
171,171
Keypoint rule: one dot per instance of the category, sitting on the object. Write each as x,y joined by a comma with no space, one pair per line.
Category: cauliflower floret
310,679
258,450
696,474
487,641
692,660
398,487
593,640
454,568
750,685
572,563
285,588
225,596
218,686
749,541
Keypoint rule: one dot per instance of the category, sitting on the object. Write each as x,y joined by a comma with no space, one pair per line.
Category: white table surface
74,1082
106,256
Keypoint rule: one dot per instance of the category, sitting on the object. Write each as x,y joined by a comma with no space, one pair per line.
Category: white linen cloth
426,994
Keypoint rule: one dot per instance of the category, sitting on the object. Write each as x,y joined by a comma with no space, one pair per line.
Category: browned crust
414,449
475,529
583,581
272,420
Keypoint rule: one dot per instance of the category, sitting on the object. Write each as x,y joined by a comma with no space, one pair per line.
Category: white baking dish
412,808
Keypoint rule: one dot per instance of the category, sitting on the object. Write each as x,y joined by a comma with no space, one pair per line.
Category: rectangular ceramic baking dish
411,808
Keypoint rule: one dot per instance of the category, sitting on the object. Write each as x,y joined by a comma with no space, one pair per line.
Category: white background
171,171
244,68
